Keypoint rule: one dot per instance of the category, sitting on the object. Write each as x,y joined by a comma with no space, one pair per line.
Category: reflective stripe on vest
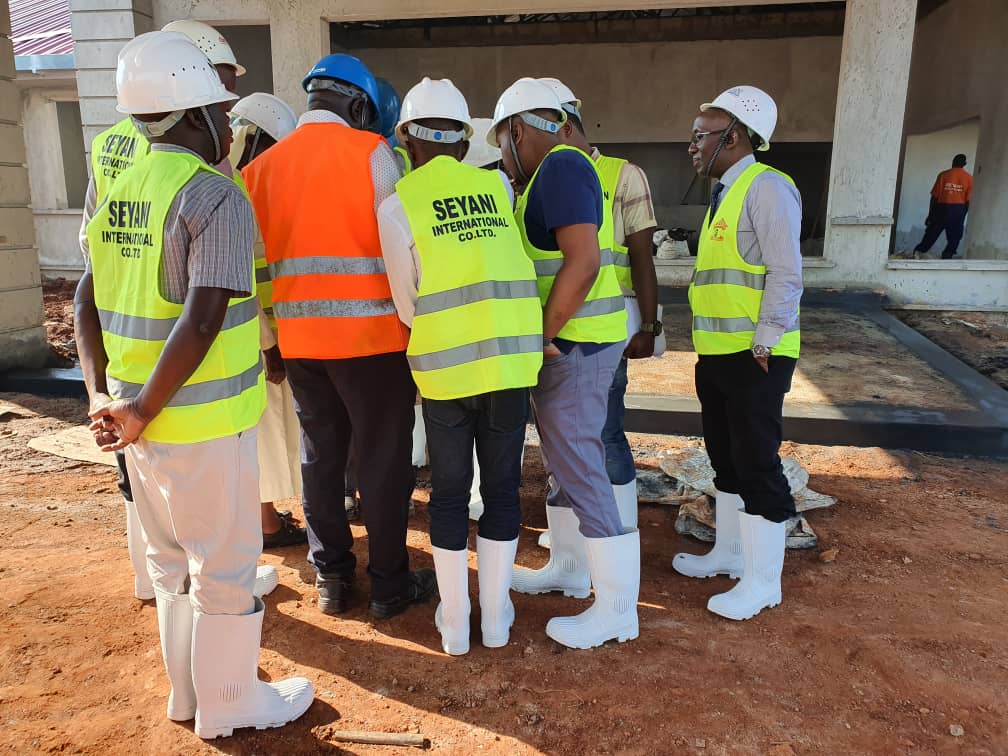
112,152
313,195
226,393
726,292
602,317
477,326
609,172
264,289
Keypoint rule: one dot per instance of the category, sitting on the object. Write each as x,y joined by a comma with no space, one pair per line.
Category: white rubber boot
419,438
225,659
266,580
544,538
475,497
175,624
452,613
136,542
726,556
626,503
567,568
615,572
763,545
497,613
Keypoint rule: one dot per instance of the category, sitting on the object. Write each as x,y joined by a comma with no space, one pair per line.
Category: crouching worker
468,291
169,345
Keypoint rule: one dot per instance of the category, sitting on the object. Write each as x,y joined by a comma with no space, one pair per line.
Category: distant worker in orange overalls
950,200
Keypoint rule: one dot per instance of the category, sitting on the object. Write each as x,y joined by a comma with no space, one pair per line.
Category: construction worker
950,201
560,216
168,338
627,199
113,151
258,122
462,283
744,295
316,194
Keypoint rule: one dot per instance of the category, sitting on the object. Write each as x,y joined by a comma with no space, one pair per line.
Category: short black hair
959,161
576,120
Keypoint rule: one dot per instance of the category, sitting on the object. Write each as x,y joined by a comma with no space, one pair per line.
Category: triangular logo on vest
718,230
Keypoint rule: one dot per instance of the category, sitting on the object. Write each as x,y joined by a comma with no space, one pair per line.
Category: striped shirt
769,233
633,209
208,236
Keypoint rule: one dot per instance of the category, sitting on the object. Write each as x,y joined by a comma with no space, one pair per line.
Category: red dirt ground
881,650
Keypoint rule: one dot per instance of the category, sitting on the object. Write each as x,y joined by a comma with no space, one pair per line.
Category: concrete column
986,226
22,337
299,37
100,30
867,136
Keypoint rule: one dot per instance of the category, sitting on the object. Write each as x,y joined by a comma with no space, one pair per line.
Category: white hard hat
752,106
434,98
269,113
524,95
480,152
162,72
209,40
564,94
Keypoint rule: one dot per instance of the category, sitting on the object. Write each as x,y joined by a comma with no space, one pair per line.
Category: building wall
22,337
924,157
957,73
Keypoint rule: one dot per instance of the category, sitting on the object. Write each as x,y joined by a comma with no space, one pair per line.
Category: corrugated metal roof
41,27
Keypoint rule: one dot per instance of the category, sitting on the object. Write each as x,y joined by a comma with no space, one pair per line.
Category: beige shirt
633,209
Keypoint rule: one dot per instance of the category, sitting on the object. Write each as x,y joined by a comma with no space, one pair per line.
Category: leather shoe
335,593
421,586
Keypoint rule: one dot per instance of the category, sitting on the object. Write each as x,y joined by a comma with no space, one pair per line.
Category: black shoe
334,594
288,535
422,585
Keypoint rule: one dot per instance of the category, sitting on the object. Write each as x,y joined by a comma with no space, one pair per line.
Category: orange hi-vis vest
314,201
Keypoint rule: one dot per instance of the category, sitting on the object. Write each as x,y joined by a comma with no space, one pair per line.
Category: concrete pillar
22,337
986,226
298,38
100,30
867,136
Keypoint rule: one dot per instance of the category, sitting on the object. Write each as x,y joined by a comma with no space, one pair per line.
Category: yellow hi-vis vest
112,152
407,164
726,292
478,322
264,283
609,171
602,317
226,393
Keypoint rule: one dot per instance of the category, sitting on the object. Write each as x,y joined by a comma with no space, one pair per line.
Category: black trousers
124,481
495,423
369,400
741,407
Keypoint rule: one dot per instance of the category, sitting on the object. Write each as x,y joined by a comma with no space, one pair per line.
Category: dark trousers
124,481
741,407
495,423
948,218
368,400
619,459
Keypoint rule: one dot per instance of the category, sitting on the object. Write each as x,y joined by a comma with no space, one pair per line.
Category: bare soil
57,298
890,634
977,338
845,360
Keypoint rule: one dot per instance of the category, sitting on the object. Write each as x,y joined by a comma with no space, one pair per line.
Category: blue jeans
619,459
495,423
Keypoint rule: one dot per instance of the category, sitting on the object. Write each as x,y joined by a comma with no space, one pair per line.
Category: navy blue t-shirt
566,191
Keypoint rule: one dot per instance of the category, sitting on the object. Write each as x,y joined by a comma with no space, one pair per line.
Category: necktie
715,196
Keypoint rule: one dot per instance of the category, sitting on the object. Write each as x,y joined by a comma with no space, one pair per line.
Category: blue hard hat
345,68
388,107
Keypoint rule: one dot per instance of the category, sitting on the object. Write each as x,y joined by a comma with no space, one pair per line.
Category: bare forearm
642,273
87,333
187,345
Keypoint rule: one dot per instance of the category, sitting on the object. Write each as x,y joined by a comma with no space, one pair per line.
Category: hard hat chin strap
522,177
153,129
218,147
720,145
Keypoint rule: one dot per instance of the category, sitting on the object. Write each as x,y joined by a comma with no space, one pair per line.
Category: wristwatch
547,341
654,328
759,351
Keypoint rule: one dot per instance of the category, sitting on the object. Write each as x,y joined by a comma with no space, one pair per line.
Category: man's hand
641,345
276,372
551,351
117,424
763,362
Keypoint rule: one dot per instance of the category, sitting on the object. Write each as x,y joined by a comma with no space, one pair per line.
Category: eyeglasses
698,136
